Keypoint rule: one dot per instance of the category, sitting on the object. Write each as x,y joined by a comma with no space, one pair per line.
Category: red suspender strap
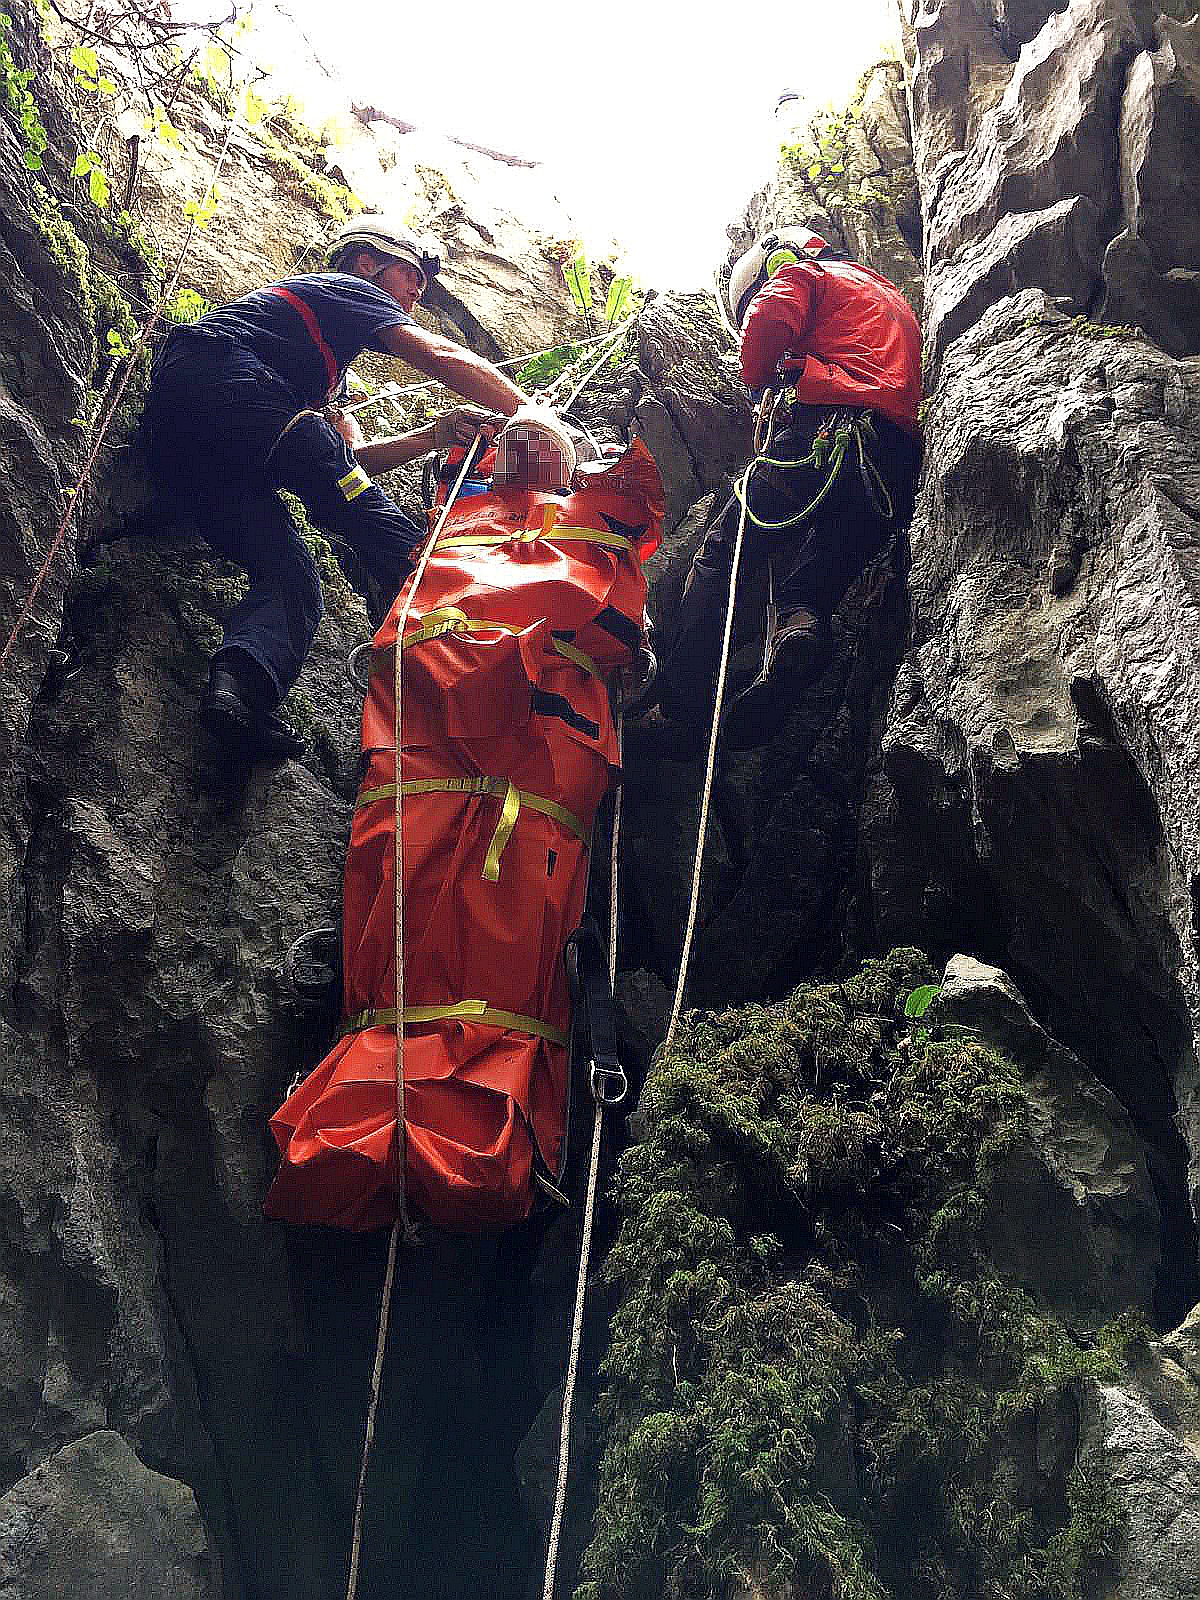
314,329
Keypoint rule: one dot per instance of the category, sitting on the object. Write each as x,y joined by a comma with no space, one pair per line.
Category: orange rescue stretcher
527,606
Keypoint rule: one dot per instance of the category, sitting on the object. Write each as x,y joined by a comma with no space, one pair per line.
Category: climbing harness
841,433
111,396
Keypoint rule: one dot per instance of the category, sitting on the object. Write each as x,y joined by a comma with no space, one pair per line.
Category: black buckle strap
593,1015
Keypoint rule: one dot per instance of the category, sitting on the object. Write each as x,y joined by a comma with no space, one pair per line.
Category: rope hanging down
601,1098
601,1094
104,418
403,1225
741,490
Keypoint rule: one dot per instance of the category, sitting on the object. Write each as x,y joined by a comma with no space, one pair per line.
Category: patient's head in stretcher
534,451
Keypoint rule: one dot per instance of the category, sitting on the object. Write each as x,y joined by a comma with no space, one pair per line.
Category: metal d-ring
305,973
608,1093
362,684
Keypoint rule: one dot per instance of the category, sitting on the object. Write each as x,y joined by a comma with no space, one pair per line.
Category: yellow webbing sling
514,799
468,1010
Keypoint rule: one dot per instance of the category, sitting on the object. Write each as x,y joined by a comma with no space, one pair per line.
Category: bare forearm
478,381
468,374
381,455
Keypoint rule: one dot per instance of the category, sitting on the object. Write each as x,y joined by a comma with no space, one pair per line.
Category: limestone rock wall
1037,770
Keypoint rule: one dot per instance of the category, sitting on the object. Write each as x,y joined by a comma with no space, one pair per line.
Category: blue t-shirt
305,330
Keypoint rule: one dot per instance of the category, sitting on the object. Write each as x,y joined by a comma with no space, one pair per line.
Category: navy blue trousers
211,431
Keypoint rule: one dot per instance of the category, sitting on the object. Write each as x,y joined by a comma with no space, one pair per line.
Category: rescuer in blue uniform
236,413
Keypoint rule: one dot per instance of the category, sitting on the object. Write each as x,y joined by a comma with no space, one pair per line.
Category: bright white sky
655,117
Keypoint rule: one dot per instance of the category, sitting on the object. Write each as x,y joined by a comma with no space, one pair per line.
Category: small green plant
185,305
117,348
620,296
20,100
579,281
88,165
921,999
201,212
159,126
542,370
88,75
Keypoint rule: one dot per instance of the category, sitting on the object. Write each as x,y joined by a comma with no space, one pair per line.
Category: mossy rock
817,1383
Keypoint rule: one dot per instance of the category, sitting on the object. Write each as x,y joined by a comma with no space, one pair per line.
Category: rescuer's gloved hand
462,424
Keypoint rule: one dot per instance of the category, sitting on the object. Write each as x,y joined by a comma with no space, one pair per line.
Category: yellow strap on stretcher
559,534
572,653
435,625
467,1010
449,619
514,799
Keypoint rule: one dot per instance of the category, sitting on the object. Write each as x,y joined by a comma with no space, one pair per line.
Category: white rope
594,368
394,392
702,832
402,1225
585,1248
372,1410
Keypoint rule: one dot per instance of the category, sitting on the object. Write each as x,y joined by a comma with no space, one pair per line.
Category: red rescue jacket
844,334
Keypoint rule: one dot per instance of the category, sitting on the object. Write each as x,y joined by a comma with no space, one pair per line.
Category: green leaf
84,162
579,282
919,1000
84,59
618,299
98,187
116,344
5,20
815,170
32,160
107,86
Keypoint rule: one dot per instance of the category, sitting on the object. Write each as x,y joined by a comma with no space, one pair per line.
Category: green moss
103,310
68,253
800,1284
333,200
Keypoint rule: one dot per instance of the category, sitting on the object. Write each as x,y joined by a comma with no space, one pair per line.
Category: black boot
235,710
794,654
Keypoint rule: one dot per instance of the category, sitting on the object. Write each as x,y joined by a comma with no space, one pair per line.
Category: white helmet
387,238
780,248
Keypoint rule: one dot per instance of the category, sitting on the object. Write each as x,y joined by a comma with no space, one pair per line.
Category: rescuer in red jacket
841,347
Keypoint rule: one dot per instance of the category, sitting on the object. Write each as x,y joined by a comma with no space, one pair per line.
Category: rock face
1037,769
93,1509
851,177
998,760
1074,1217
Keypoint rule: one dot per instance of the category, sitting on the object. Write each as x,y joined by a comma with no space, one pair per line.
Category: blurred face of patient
526,458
